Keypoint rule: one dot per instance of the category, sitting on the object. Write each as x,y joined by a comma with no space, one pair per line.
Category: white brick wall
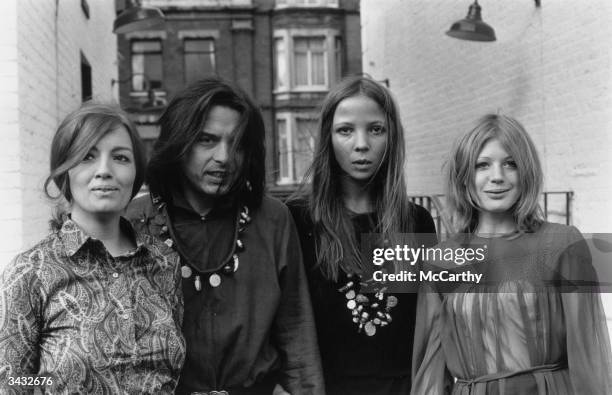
10,178
550,68
40,82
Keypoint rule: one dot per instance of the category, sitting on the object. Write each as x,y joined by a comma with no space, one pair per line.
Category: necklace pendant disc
351,304
391,301
214,280
370,328
350,294
186,271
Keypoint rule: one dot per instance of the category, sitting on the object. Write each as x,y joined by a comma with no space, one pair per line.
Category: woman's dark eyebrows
121,148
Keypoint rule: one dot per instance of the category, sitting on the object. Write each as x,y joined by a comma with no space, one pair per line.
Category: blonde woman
523,331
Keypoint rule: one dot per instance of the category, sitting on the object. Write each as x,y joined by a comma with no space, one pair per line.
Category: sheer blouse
517,334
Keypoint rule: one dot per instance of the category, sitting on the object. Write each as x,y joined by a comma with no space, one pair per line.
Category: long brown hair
335,240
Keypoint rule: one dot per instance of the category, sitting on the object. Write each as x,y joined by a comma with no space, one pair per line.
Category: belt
503,375
210,393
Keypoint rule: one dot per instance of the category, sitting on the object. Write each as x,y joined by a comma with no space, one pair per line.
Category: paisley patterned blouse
94,323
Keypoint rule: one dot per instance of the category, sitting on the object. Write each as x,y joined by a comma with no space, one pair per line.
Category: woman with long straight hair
357,187
529,326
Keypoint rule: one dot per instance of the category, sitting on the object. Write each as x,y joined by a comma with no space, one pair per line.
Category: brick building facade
285,53
53,55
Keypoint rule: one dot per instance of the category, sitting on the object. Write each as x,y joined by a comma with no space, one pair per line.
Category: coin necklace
367,313
228,269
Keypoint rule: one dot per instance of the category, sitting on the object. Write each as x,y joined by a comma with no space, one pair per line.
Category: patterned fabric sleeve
294,328
20,316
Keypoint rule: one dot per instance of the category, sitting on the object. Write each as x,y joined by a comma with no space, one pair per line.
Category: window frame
287,36
211,53
146,79
291,121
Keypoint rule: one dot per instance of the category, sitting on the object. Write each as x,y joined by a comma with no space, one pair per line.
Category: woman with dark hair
357,188
528,327
95,307
248,320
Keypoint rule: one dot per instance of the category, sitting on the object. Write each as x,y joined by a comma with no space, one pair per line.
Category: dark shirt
354,363
92,322
256,328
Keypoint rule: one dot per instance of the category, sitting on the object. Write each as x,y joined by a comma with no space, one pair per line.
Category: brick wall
550,68
43,59
10,179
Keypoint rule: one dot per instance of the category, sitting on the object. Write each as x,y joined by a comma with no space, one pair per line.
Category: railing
434,204
558,206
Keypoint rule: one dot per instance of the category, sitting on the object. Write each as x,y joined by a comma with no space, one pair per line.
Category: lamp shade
472,27
137,18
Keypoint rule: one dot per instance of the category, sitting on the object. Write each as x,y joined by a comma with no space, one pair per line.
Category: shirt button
115,274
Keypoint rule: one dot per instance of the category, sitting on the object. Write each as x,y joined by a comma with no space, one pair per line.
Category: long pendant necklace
368,314
187,270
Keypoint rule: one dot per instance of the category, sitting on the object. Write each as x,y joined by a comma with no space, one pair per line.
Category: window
307,59
86,88
199,58
295,146
284,163
338,57
280,56
146,65
303,147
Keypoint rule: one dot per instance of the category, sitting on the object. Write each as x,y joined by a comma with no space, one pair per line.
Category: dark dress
354,363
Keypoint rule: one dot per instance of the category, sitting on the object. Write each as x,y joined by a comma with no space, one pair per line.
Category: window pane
300,44
206,45
146,65
283,149
281,63
310,61
198,66
153,70
301,68
199,59
318,69
146,46
303,146
338,58
317,44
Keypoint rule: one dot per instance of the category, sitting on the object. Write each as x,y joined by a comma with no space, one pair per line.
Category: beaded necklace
187,270
367,313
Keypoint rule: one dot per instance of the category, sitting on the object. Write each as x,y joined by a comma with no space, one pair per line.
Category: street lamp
136,17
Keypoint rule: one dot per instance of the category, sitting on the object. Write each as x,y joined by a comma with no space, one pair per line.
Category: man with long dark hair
248,320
